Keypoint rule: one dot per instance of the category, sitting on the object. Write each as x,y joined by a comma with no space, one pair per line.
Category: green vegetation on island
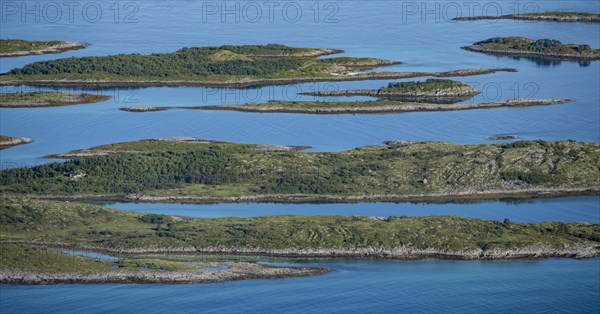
47,99
205,171
18,47
430,90
218,65
10,141
86,226
357,107
554,16
521,46
212,66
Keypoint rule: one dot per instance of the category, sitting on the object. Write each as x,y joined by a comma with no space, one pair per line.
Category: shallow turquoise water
531,286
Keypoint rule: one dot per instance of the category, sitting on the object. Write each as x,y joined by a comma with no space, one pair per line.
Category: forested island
521,46
10,141
212,66
554,16
196,170
360,107
19,47
47,99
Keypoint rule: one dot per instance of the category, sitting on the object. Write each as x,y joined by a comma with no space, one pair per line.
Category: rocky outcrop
383,107
525,53
64,46
235,271
143,109
548,16
470,72
502,137
11,141
445,96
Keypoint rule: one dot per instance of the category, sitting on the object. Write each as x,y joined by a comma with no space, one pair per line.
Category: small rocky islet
19,47
552,16
10,141
38,99
522,46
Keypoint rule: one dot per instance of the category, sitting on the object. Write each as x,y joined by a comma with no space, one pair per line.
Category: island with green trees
553,16
154,248
19,47
211,66
366,107
430,90
47,99
197,170
521,46
10,141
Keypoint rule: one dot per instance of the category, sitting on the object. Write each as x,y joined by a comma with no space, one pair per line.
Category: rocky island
197,170
19,48
47,99
552,16
521,46
222,66
431,90
10,141
143,109
377,106
31,226
39,263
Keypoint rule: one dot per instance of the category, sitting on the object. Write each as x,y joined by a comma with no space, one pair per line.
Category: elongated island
47,99
521,46
212,66
367,107
36,233
198,170
19,47
553,16
10,141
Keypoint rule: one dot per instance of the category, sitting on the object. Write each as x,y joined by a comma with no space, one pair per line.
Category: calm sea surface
393,30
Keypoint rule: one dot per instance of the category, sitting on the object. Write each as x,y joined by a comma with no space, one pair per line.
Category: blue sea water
567,209
386,29
355,286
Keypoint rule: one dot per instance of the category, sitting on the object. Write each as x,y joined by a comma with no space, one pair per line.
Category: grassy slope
227,169
215,64
47,99
91,225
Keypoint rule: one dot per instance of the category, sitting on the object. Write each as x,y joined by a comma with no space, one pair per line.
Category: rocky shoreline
235,271
49,50
41,99
580,250
401,108
536,17
143,109
446,96
251,82
434,197
522,53
14,141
